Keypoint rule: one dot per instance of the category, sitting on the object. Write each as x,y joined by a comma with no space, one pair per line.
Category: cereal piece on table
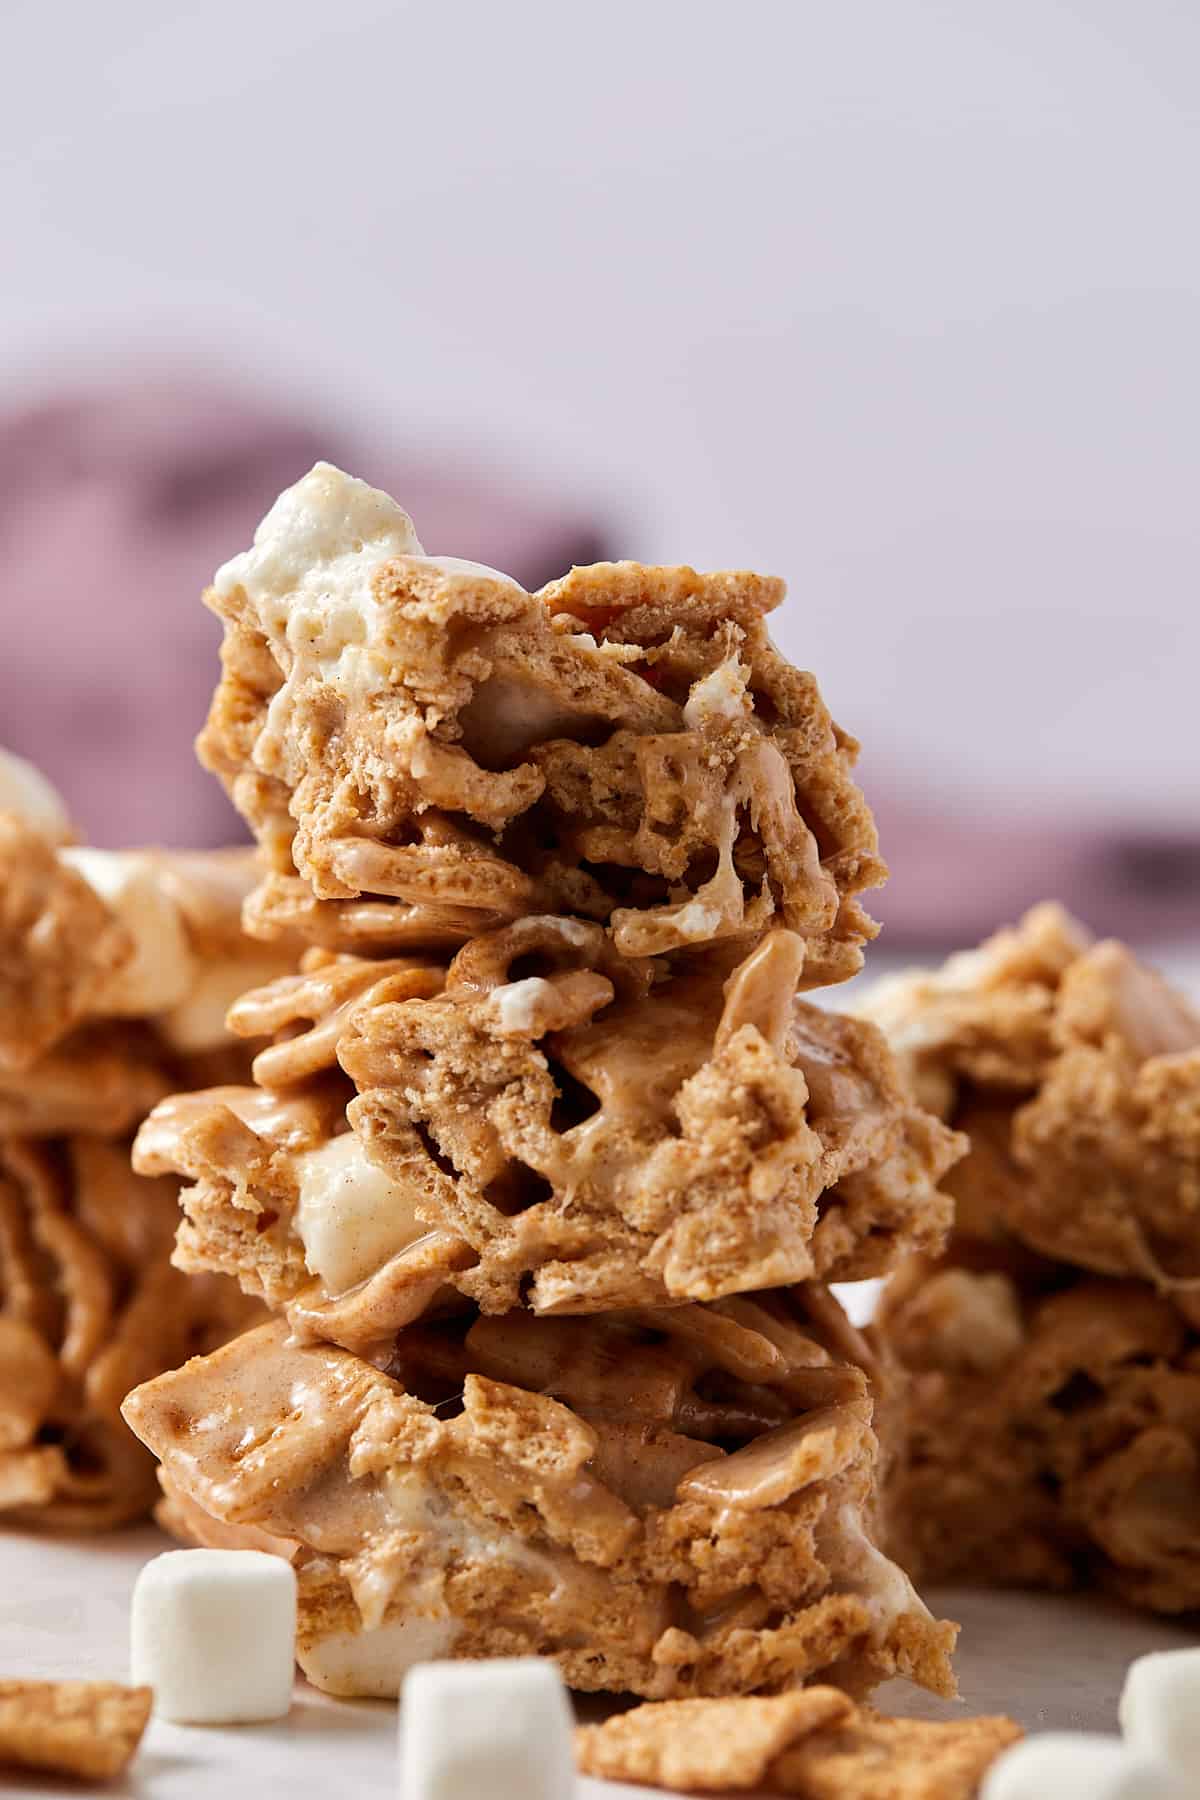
627,745
213,1632
877,1758
813,1742
1080,1765
1160,1709
500,1728
699,1746
89,1729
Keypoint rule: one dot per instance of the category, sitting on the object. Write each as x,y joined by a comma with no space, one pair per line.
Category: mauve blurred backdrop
897,299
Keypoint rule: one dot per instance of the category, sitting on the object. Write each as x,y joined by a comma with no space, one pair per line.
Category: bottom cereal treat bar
1051,1430
89,1305
668,1502
89,1729
815,1743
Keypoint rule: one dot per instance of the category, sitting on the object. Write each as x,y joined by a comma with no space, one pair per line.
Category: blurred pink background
899,303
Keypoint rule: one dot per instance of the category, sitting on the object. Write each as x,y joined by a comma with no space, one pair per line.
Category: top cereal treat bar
425,750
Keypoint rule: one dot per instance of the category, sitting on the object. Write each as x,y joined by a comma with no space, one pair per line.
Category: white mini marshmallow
1160,1709
213,1632
500,1728
351,1217
1079,1765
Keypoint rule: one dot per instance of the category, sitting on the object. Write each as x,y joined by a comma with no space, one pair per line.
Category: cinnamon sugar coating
1052,1428
666,1501
444,751
561,1127
89,1306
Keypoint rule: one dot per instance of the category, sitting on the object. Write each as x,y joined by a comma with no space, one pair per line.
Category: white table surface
1048,1661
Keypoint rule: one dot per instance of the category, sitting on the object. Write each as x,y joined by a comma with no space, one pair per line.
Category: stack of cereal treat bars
1052,1427
547,1163
116,968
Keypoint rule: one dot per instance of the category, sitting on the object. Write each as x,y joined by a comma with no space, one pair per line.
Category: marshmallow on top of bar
423,749
547,1123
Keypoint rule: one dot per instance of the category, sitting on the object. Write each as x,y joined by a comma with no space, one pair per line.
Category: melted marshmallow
351,1217
373,1664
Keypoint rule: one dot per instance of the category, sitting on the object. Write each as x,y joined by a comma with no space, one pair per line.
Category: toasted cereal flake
876,1758
705,1745
813,1742
85,1728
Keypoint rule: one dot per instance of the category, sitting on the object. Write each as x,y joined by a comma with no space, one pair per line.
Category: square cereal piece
705,1746
85,1728
813,1742
876,1758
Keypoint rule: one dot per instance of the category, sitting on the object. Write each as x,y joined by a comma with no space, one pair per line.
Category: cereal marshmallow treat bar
671,1501
424,750
1053,1427
546,1161
115,970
